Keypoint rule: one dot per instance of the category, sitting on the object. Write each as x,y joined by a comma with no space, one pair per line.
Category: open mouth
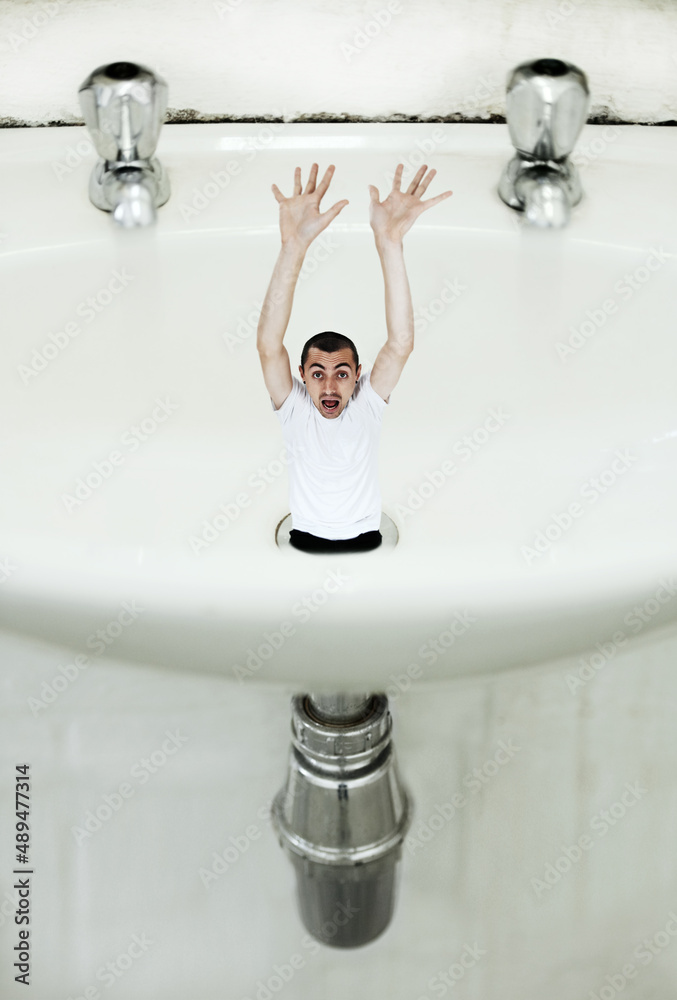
330,404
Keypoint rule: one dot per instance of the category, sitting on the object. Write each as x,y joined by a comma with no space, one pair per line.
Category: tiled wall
552,869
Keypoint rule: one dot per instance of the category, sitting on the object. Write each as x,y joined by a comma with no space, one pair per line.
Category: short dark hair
329,341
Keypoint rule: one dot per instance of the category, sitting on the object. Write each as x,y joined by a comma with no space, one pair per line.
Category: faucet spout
545,197
132,195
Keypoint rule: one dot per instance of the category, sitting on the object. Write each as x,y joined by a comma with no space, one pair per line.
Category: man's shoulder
367,395
296,395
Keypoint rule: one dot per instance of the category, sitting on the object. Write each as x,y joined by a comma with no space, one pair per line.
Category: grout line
175,117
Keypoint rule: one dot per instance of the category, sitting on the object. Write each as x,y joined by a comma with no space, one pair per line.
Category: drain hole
388,530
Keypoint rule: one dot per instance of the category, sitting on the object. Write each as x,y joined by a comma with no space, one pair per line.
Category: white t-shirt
333,463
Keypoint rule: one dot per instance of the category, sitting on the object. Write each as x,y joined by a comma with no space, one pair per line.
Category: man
332,426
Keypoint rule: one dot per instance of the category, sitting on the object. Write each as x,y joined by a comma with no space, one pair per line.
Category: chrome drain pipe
342,815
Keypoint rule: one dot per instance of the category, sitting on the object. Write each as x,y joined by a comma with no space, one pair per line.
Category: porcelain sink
528,460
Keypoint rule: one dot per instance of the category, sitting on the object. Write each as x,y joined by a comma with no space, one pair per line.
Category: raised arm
300,222
390,220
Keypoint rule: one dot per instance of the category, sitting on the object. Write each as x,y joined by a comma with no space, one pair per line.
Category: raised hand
392,218
300,217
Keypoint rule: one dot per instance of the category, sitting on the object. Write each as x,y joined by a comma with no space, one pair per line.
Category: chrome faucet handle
124,105
546,108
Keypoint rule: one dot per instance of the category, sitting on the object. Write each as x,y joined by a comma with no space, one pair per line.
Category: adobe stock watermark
584,155
601,823
486,88
474,781
563,11
644,953
99,641
447,979
219,180
430,651
141,772
73,157
246,326
223,861
595,319
591,491
213,528
7,567
130,441
464,450
434,648
78,153
425,148
371,29
636,619
111,972
9,906
303,610
284,972
87,310
225,7
425,315
31,26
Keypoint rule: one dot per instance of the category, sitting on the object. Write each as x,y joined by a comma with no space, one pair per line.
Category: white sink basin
552,518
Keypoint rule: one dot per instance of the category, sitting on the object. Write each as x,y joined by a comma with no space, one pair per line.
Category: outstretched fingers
424,183
419,183
332,212
297,186
325,182
435,201
310,186
417,177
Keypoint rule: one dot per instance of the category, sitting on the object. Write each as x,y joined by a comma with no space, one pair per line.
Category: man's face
330,377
